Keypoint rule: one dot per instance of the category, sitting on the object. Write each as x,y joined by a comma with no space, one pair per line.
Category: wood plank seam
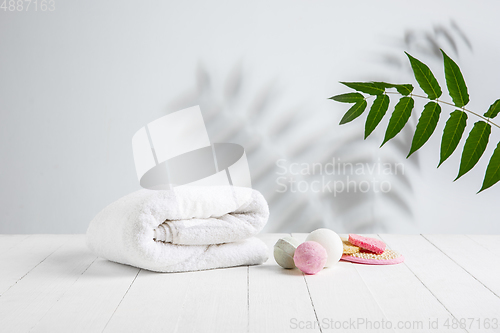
62,295
461,266
370,291
121,300
22,277
269,313
93,261
481,244
310,297
186,296
312,303
18,243
425,285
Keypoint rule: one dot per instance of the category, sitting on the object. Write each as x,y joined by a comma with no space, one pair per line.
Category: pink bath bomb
310,257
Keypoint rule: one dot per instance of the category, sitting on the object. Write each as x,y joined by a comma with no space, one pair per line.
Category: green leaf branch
477,139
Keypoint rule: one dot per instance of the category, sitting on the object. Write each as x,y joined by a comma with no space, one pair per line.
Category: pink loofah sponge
367,243
310,257
389,257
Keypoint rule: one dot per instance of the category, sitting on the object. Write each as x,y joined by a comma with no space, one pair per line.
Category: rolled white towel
184,229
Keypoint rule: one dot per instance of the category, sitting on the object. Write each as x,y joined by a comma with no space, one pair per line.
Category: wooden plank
91,300
218,299
25,303
9,241
490,242
342,300
462,295
25,256
204,301
61,293
405,303
278,298
403,298
483,264
153,303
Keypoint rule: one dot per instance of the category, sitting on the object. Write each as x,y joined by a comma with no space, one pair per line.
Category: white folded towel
183,229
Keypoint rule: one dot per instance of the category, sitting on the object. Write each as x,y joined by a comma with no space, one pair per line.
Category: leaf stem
447,103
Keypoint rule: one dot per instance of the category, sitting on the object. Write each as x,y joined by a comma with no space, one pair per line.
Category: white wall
76,83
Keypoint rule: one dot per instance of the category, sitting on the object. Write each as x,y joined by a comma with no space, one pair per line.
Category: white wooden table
52,283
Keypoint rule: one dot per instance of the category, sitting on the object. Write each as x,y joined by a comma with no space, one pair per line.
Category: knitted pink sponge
367,243
389,257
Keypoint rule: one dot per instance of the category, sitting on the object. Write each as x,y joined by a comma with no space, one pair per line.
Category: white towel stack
187,228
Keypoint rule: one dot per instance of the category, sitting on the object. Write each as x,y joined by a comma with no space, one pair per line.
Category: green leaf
377,112
455,82
493,110
492,175
348,98
425,126
425,78
474,147
366,87
354,112
403,89
399,118
452,133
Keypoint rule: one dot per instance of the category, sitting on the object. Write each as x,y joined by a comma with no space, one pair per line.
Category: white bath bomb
284,249
331,242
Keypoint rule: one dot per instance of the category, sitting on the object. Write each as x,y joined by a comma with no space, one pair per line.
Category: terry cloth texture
187,228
